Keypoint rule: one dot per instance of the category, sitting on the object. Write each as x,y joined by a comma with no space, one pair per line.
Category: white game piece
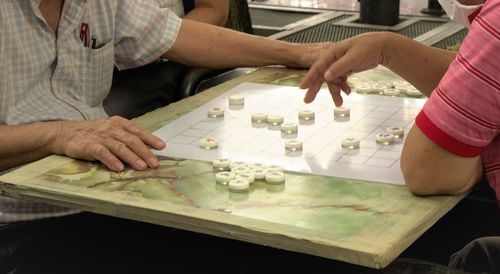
240,169
391,92
275,119
221,164
350,143
341,111
289,128
275,177
275,168
386,83
257,165
402,88
246,176
398,132
364,88
237,163
400,83
413,92
384,138
224,177
378,88
306,115
259,117
236,100
215,112
293,145
239,185
259,173
209,143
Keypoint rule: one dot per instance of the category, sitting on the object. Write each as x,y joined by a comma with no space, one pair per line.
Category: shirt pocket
86,74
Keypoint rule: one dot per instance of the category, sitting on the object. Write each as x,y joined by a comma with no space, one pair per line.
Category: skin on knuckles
113,141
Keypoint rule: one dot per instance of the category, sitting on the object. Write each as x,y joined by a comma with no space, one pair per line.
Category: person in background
456,137
161,81
213,12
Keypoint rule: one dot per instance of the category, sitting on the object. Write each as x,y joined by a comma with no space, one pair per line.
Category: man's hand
113,141
341,59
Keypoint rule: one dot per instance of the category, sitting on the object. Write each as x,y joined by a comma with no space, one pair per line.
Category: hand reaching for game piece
340,60
112,141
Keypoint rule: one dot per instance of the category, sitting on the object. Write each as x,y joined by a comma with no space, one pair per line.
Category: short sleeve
463,113
144,31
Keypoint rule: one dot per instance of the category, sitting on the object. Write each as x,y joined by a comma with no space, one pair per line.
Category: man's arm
429,169
213,12
421,65
203,45
113,141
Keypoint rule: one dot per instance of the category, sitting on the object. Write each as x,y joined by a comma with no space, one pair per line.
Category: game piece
275,119
236,100
257,165
350,143
259,173
386,83
259,117
224,177
378,88
289,128
239,185
402,88
306,115
398,132
400,83
209,143
275,177
237,164
384,138
341,112
240,169
413,92
364,88
246,176
391,92
275,168
221,164
293,145
215,112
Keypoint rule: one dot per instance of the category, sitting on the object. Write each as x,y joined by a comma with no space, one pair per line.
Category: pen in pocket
94,42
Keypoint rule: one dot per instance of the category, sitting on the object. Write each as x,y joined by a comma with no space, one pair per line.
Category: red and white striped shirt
463,113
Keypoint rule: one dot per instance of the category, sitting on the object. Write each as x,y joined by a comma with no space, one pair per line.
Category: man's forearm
207,15
25,143
213,12
200,45
421,65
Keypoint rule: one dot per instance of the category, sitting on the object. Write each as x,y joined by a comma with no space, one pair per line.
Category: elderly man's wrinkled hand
113,141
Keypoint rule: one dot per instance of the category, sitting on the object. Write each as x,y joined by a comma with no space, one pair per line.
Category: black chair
141,90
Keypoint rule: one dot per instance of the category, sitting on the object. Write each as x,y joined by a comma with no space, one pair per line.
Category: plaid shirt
47,78
175,5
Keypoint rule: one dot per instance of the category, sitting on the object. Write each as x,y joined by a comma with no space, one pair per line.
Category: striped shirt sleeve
463,113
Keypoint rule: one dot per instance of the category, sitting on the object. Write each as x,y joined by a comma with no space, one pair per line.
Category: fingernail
328,75
141,164
160,144
153,162
118,166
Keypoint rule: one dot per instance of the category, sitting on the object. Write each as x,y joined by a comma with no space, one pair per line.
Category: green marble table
358,222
